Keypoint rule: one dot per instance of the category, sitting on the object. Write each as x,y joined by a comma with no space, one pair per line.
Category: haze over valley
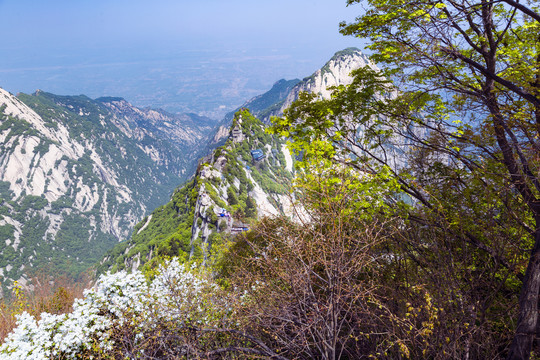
205,58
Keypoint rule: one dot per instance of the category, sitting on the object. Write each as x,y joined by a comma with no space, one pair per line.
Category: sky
153,50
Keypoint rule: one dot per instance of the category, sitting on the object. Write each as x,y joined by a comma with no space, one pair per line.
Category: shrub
179,313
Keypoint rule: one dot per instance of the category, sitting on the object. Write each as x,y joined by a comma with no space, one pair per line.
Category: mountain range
77,175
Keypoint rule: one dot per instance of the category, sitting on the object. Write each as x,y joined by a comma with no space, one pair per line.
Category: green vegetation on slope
170,229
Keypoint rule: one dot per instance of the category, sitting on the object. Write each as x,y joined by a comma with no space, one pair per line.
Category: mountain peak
350,51
335,72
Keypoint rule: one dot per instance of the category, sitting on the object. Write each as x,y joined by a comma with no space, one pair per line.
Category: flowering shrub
123,314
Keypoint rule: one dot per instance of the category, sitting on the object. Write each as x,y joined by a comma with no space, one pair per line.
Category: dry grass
42,294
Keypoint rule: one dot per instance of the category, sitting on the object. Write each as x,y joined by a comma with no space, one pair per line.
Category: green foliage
174,246
272,100
212,216
457,166
63,202
5,192
251,208
43,147
16,127
167,233
6,232
485,58
231,196
33,202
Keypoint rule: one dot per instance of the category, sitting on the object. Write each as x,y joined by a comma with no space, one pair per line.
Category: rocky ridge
284,92
335,72
247,178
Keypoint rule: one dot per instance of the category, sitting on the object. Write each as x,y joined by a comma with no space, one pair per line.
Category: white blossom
176,293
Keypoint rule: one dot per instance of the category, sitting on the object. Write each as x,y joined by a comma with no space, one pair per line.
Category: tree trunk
528,305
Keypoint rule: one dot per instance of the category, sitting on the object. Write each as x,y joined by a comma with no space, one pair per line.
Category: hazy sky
42,38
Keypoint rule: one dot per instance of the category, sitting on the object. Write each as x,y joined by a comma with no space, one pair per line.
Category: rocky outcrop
335,72
136,122
284,92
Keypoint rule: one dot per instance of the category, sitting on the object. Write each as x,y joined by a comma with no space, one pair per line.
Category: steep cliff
335,72
247,178
77,174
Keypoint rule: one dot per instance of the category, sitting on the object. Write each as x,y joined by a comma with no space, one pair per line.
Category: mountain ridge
334,72
246,178
79,170
75,170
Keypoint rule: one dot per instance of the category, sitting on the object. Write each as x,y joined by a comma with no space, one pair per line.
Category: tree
348,279
251,208
461,250
486,54
464,103
231,196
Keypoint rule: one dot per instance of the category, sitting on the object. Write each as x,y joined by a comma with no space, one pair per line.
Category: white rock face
158,119
20,166
336,72
288,158
264,206
28,171
146,224
30,168
222,132
89,159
